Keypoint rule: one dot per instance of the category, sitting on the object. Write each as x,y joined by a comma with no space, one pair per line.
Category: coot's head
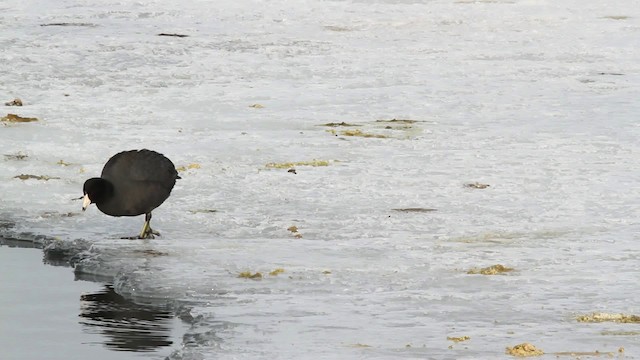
96,190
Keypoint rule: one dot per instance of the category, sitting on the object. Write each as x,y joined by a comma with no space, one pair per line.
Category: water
47,315
537,100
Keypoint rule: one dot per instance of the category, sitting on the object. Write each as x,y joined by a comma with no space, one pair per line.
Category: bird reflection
126,326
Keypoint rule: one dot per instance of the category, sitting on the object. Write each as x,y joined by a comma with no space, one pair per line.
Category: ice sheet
536,99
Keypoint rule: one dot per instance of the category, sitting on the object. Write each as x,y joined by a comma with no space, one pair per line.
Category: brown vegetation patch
294,230
458,339
524,350
276,272
337,28
360,133
250,275
16,118
490,270
333,124
35,177
597,317
187,167
289,165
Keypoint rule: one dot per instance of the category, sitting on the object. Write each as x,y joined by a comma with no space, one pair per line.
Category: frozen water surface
538,99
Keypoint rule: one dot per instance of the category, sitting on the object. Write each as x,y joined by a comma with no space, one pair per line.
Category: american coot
132,183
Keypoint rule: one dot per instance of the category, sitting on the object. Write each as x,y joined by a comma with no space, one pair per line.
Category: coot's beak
85,202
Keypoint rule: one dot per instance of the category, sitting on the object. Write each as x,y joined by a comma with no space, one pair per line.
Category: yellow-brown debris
289,165
607,317
294,230
490,270
584,353
360,133
339,124
276,272
524,350
458,339
619,333
337,28
187,167
250,275
17,118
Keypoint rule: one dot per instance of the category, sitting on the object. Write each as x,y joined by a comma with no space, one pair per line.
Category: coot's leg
147,232
149,229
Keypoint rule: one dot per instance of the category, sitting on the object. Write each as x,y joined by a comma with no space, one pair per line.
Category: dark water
45,313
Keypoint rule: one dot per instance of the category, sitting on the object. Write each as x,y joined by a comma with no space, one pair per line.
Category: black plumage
132,183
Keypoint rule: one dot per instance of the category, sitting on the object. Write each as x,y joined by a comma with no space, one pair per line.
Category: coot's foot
149,234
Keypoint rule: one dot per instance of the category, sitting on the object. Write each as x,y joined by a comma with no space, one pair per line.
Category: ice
537,99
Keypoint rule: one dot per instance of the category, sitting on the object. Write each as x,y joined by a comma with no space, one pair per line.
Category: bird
132,183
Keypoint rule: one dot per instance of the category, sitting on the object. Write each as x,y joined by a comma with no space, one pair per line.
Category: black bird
132,183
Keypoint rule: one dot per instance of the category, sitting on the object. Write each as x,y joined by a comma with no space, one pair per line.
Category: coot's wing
141,165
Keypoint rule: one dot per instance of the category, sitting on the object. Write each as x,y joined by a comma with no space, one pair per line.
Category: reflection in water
127,326
19,243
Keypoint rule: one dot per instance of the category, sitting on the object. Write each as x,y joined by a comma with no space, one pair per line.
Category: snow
538,99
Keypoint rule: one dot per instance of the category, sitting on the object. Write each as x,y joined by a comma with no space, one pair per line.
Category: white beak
85,202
